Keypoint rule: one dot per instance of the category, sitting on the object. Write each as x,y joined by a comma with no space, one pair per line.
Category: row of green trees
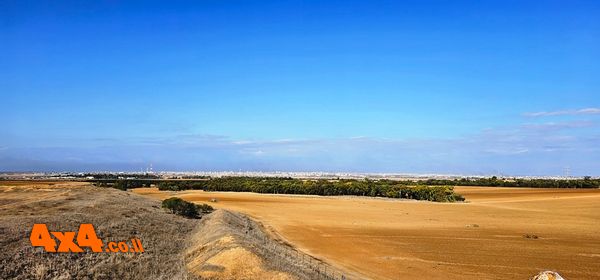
201,183
586,182
431,189
381,188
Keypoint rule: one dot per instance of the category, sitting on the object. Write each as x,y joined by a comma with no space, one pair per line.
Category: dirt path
392,239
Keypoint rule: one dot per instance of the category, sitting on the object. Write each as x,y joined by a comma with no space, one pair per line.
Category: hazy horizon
457,87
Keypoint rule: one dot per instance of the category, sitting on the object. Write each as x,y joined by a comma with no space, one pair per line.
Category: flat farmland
500,233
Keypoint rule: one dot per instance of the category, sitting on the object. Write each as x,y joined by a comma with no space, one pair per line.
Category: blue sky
467,87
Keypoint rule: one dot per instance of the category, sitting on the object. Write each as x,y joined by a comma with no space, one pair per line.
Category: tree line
380,188
432,189
586,182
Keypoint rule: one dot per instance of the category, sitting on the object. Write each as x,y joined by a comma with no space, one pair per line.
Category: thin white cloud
584,111
515,151
553,126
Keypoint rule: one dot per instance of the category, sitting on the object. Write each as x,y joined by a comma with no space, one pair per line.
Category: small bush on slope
187,209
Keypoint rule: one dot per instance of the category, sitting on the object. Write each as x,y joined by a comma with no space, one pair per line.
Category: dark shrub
205,208
181,207
120,185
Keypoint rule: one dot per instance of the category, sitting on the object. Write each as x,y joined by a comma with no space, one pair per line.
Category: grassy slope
116,215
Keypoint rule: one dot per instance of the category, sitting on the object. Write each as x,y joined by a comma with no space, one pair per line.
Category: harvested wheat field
500,233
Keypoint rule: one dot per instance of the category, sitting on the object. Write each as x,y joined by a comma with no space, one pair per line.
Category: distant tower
567,171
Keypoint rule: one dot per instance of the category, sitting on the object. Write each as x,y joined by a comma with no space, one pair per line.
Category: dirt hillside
229,245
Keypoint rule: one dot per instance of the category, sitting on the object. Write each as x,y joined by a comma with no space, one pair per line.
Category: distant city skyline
460,87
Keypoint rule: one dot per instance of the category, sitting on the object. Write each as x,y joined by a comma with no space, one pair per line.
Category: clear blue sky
469,87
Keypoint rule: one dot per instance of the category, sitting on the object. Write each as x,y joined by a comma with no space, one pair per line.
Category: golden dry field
500,233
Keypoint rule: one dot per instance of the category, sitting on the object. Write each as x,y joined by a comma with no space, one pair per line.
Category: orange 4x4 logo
70,241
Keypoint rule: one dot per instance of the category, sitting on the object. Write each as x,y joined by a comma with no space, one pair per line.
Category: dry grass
116,215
